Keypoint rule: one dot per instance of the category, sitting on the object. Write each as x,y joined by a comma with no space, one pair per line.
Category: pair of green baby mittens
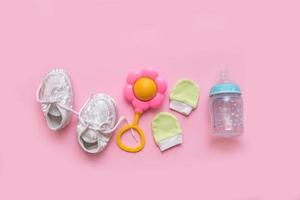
165,126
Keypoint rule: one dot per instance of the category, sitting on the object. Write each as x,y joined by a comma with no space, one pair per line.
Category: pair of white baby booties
97,118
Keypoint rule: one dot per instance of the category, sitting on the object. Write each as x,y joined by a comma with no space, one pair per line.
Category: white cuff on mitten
170,142
181,107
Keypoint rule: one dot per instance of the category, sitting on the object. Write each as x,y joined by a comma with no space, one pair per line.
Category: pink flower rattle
144,90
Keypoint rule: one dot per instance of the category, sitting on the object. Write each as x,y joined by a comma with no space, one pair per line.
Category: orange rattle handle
126,128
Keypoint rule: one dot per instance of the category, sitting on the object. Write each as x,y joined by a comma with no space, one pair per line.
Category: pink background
98,42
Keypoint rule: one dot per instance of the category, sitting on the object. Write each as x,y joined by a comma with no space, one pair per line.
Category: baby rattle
144,90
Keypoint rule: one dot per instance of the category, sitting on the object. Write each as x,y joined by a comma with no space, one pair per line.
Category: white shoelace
55,102
101,128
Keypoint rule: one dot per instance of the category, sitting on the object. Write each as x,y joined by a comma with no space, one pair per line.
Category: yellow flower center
145,89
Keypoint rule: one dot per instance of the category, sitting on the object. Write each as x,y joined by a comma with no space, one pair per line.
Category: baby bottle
226,108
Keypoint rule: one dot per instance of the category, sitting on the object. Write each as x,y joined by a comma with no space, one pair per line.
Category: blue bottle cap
225,87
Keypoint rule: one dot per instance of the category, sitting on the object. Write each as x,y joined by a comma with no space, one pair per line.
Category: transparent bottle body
226,114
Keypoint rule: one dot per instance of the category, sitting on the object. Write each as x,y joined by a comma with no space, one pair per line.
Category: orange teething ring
126,128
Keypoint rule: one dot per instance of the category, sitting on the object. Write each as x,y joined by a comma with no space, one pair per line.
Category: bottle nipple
224,76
